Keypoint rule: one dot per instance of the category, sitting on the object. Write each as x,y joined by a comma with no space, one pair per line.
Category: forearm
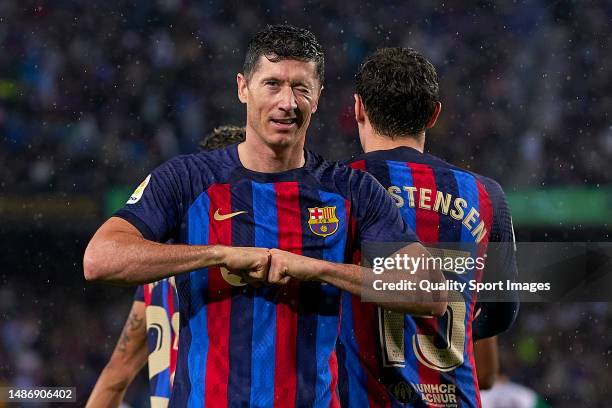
131,260
118,374
487,362
128,358
110,388
351,278
119,254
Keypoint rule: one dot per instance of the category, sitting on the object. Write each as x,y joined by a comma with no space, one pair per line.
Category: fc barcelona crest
323,221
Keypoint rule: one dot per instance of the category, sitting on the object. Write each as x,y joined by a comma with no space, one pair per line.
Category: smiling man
263,231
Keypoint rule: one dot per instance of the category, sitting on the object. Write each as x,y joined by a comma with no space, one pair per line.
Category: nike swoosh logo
221,217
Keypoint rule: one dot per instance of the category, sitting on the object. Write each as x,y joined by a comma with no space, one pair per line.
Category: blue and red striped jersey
431,362
269,346
162,323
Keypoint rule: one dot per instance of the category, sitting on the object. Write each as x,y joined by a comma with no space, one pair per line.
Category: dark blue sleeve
156,206
139,295
378,219
497,317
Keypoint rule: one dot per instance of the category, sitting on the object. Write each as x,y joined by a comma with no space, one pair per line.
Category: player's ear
434,115
359,109
315,105
243,89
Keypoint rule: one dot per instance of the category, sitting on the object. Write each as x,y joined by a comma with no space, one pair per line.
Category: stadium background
94,95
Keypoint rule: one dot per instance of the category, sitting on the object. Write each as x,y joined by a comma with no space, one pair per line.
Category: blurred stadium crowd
93,89
96,94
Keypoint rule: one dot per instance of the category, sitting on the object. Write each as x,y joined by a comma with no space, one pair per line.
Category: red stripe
358,165
427,230
486,215
289,239
333,359
333,367
427,220
146,290
173,334
219,304
364,322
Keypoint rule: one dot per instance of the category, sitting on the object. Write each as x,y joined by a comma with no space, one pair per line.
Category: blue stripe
198,349
181,387
264,310
400,175
449,232
357,380
310,300
343,375
309,305
162,384
468,190
410,370
450,229
241,312
335,244
327,324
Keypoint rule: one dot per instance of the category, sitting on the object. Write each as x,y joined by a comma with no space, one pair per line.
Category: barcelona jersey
162,323
389,359
272,346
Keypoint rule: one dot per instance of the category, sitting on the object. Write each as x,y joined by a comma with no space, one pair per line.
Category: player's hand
286,265
252,264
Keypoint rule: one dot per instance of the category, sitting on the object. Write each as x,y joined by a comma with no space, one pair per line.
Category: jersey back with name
269,346
162,323
390,359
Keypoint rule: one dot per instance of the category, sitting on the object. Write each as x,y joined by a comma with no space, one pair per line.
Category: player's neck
375,141
260,157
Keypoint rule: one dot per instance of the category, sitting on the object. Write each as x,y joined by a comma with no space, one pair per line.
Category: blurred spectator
92,92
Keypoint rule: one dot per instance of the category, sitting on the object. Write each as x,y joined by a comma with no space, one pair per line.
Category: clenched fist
252,264
286,265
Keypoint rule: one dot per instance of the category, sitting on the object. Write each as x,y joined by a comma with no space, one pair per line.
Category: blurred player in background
487,361
127,360
508,394
503,393
272,212
155,304
419,360
223,136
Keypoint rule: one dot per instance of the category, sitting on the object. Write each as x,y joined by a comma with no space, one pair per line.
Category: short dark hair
283,41
223,136
399,89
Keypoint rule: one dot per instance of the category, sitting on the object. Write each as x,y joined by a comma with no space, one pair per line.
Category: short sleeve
378,219
155,208
497,317
139,295
501,256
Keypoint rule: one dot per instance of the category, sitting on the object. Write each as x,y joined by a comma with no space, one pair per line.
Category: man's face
281,98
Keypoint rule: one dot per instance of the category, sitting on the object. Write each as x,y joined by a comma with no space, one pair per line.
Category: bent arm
487,362
118,253
359,280
127,360
494,318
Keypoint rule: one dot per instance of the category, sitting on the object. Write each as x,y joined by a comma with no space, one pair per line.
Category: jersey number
445,358
157,319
